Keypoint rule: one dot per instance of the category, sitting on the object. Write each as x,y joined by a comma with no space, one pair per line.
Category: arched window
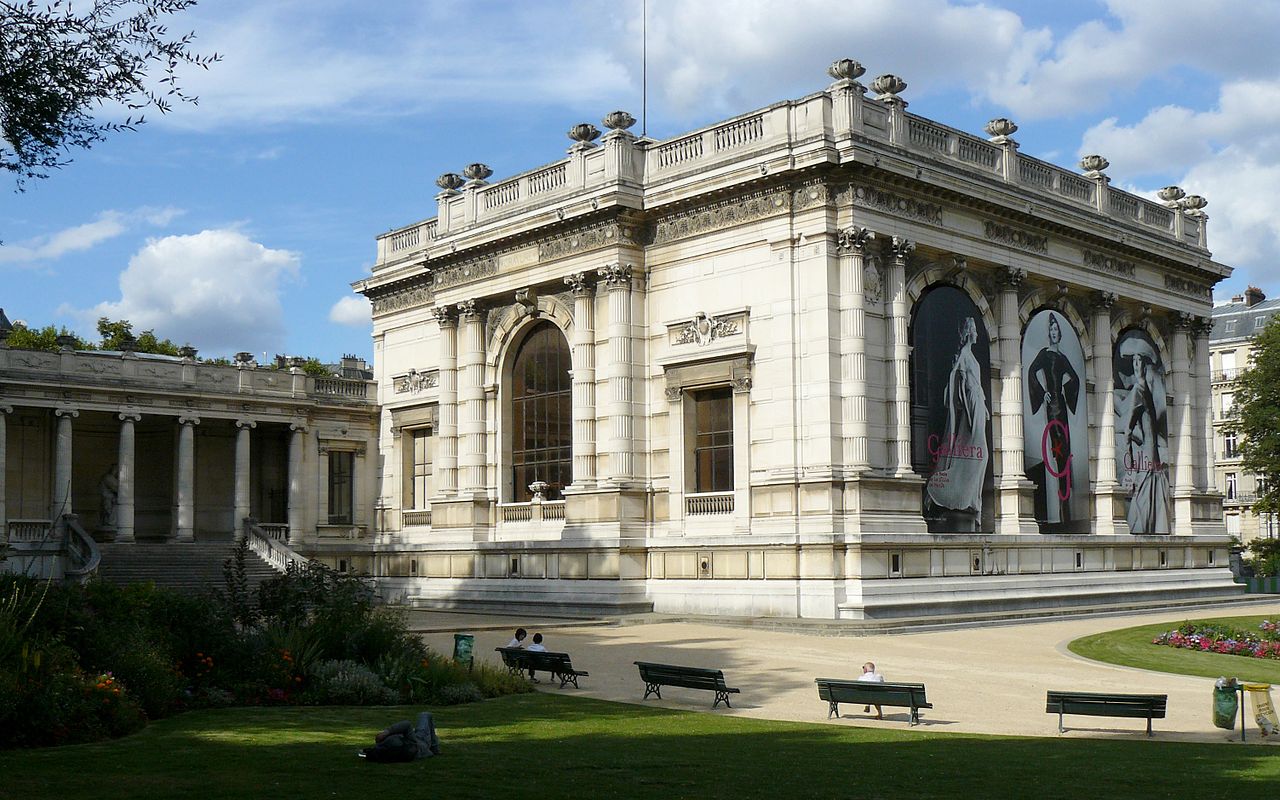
541,414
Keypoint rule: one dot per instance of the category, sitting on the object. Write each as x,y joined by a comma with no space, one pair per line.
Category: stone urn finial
66,341
846,69
584,133
187,351
128,344
1193,204
618,120
1000,129
889,87
450,181
477,173
1171,194
1093,165
539,489
244,358
296,362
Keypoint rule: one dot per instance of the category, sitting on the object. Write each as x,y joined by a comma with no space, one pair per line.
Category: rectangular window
1233,525
1232,486
1229,327
341,486
713,440
1228,403
1229,444
421,484
1259,323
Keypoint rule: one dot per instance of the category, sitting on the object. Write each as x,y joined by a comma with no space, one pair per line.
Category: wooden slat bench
655,676
560,666
1092,704
870,693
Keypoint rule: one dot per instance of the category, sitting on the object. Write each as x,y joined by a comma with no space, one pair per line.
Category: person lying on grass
404,741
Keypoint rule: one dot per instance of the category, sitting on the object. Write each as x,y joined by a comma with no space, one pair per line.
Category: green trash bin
464,649
1225,703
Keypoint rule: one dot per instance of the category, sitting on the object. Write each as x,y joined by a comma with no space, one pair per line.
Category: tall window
1228,404
713,440
542,414
1229,444
341,486
418,469
1232,486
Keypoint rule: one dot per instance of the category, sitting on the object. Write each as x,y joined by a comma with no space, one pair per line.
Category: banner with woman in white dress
1142,431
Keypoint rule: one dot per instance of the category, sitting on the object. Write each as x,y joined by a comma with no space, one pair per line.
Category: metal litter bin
464,649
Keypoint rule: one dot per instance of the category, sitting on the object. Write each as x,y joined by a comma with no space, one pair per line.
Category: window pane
542,414
713,440
340,487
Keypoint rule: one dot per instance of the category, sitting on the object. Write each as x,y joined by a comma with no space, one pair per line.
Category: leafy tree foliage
1257,398
117,333
46,338
60,63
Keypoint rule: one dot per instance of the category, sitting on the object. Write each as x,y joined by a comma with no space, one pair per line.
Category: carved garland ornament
1115,266
415,382
464,273
1013,237
897,205
722,215
591,238
409,297
1182,285
704,329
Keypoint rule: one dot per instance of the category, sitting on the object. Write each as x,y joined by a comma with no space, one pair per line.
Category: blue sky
238,224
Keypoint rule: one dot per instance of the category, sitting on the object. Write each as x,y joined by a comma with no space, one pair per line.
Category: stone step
188,567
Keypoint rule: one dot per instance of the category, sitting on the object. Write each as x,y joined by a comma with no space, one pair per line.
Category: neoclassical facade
826,359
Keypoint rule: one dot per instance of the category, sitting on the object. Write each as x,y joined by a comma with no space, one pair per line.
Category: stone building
134,448
1234,326
825,359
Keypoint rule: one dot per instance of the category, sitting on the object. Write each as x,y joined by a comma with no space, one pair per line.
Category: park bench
1091,704
655,676
519,660
869,693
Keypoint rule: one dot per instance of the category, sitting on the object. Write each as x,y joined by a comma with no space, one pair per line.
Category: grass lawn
549,745
1132,647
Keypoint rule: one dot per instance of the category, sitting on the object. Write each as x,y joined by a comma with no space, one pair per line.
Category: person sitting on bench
870,675
404,741
536,647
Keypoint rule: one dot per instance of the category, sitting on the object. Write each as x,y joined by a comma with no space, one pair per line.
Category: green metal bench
655,676
518,660
872,693
1092,704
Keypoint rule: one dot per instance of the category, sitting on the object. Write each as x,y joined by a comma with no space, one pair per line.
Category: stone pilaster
1105,486
297,482
243,506
5,411
1203,415
617,281
1184,453
1012,484
62,464
446,463
900,354
126,503
584,379
471,398
184,513
853,243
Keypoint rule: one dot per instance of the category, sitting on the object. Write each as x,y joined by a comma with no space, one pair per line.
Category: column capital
1202,327
581,284
1101,302
469,310
1010,278
446,316
902,248
188,419
615,276
66,412
6,409
129,416
246,423
673,393
854,239
1183,321
298,427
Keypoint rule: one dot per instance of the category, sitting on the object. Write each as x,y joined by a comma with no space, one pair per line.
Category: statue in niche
108,497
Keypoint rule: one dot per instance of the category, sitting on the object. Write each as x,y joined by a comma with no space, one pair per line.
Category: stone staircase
192,568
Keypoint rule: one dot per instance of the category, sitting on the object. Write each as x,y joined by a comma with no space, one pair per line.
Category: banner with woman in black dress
1055,422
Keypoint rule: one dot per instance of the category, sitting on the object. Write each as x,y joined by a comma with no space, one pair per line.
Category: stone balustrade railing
81,551
269,542
29,530
704,503
531,512
185,375
415,517
805,130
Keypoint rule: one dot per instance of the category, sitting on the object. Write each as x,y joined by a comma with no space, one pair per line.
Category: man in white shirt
870,675
537,647
518,639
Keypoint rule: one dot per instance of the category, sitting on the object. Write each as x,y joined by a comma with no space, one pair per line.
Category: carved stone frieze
1109,264
870,197
1182,285
464,273
703,329
590,238
724,214
400,299
814,194
415,382
1014,237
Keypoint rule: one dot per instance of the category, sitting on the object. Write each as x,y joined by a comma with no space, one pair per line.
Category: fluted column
472,400
297,482
584,379
901,354
184,516
1203,416
617,281
446,462
127,477
1103,404
1012,467
1183,390
5,411
853,243
62,464
243,505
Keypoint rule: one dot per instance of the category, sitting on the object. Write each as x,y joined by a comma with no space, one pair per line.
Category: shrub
348,683
1264,557
457,694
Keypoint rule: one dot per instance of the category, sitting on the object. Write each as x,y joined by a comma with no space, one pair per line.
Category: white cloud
108,225
216,289
351,310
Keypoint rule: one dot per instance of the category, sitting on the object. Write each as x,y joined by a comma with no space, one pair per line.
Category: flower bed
1225,639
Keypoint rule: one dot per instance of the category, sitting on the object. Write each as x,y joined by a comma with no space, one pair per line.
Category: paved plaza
980,679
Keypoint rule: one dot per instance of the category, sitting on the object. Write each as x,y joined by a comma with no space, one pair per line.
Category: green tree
1257,398
116,333
46,338
60,63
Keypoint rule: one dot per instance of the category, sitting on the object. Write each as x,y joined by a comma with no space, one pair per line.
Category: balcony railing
415,517
29,530
548,510
1226,375
708,503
